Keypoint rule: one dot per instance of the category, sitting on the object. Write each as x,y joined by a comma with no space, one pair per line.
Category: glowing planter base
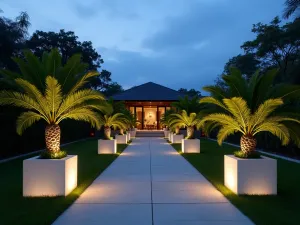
49,177
121,139
190,145
107,146
177,138
250,176
170,137
128,136
132,133
166,133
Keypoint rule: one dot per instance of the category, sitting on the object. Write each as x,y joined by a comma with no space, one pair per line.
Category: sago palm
189,104
165,119
115,121
35,70
255,91
237,117
185,120
53,106
290,7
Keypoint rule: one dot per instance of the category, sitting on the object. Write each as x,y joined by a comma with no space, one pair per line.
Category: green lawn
282,209
17,210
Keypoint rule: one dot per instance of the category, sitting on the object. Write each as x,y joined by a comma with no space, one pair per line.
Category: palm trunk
107,131
52,138
190,132
177,130
121,131
248,144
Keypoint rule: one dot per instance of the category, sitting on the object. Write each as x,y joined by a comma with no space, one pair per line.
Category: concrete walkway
150,183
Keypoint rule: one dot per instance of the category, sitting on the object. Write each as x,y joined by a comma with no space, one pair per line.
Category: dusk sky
176,43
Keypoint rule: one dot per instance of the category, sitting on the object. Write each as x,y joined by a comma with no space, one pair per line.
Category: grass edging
44,210
276,210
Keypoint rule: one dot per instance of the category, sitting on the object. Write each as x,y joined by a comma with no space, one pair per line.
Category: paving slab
106,214
192,214
150,183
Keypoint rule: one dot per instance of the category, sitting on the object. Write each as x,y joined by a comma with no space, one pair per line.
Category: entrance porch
148,113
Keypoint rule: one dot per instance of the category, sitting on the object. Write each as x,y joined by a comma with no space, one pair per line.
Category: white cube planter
128,136
190,145
177,138
250,176
132,134
121,139
166,133
49,177
170,136
107,146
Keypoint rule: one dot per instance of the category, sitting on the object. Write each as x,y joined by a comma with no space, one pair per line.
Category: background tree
112,89
68,44
247,64
276,45
12,37
192,92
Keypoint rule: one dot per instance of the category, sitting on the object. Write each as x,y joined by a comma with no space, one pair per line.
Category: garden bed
44,210
276,210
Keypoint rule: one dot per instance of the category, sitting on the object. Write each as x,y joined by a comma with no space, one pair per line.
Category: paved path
150,183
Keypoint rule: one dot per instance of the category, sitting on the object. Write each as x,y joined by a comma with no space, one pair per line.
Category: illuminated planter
132,133
170,137
166,133
49,177
177,138
121,139
190,145
107,146
251,176
128,136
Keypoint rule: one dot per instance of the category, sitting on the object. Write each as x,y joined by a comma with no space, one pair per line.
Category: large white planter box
166,133
132,133
107,146
49,177
177,138
190,146
251,176
121,139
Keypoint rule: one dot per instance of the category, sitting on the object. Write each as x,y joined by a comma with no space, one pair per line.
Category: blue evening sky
176,43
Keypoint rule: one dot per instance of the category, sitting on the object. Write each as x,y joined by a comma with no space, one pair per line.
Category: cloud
182,43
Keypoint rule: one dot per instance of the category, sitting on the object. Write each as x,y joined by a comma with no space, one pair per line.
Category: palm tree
290,7
164,120
53,106
189,104
115,121
35,70
256,90
185,120
237,117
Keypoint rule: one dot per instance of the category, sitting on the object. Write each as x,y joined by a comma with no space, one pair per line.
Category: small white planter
128,136
190,146
121,139
132,133
107,146
177,138
49,177
170,136
250,176
166,133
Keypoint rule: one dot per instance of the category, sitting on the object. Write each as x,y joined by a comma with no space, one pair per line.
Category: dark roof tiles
148,92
